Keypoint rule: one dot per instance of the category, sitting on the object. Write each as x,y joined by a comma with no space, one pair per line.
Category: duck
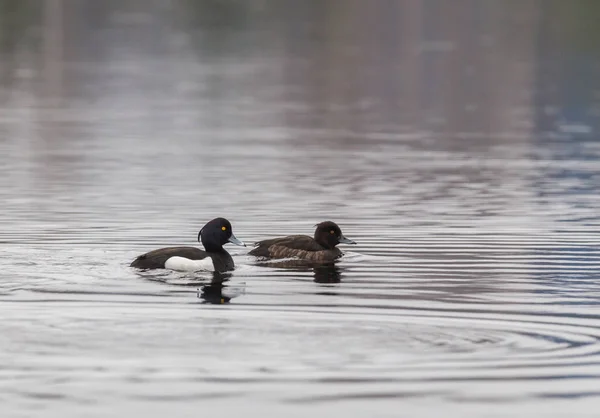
321,248
213,236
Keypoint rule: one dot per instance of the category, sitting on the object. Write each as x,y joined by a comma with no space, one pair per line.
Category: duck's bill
234,240
344,240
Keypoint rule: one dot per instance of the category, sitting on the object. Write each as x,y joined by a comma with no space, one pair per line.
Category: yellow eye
223,228
332,232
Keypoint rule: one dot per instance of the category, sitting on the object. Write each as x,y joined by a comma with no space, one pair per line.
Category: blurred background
455,141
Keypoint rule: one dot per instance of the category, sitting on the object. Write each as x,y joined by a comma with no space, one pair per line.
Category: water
460,153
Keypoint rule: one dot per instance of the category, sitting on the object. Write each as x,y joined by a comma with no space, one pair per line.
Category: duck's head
217,233
328,234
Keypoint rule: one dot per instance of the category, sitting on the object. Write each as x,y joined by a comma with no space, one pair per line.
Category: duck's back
156,259
300,246
182,259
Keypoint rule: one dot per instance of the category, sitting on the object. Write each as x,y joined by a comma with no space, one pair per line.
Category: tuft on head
215,234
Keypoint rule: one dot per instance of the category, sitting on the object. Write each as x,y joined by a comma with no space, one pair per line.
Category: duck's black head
217,233
328,234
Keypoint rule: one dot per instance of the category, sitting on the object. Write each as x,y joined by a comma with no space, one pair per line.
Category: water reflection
500,74
212,288
322,272
327,273
455,141
213,292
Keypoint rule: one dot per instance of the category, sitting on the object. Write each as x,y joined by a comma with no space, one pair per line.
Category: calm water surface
462,157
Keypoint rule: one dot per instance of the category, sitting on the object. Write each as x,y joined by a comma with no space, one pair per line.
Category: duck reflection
215,292
322,272
327,273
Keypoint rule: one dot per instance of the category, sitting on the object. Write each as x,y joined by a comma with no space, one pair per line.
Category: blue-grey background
455,141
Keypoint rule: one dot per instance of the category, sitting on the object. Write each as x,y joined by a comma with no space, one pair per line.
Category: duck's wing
156,259
284,247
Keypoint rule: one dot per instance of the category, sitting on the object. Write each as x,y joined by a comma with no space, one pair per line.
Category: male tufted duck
321,248
213,236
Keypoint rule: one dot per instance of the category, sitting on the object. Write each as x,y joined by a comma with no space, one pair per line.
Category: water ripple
474,285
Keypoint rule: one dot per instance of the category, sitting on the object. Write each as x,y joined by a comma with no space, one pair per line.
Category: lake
455,142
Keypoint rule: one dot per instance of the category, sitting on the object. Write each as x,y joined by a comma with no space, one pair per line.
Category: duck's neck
212,248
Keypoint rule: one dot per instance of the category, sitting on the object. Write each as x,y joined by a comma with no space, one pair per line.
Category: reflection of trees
449,67
452,67
465,66
17,17
567,86
213,14
581,20
212,24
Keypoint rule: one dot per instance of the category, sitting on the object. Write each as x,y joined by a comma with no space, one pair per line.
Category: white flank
185,264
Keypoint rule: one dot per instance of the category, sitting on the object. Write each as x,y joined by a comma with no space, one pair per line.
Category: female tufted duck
321,248
213,236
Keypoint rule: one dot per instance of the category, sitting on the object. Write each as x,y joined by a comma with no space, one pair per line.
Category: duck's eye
332,232
223,228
